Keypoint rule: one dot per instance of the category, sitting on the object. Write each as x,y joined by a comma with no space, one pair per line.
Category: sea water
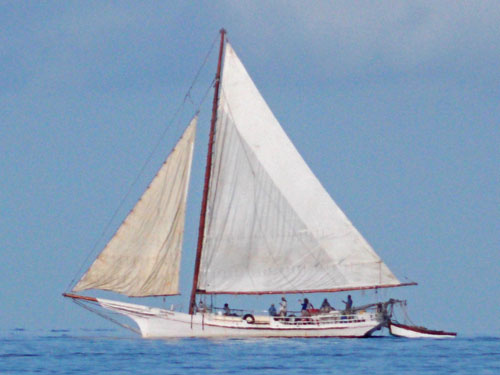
111,352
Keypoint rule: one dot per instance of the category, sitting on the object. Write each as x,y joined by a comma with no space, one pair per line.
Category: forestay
143,257
271,226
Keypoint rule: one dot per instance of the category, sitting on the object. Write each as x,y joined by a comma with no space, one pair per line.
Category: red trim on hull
309,329
310,291
282,329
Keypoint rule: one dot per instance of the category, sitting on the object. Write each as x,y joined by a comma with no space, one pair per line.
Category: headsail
143,257
271,226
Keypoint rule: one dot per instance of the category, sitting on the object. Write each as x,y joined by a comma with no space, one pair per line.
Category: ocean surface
111,352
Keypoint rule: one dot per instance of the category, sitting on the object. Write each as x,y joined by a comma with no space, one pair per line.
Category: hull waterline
161,323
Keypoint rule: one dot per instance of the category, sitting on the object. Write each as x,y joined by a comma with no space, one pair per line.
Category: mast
208,170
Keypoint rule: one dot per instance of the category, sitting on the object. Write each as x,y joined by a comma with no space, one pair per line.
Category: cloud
76,46
352,37
126,44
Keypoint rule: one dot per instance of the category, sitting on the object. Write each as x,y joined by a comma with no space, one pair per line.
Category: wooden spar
333,290
208,170
76,296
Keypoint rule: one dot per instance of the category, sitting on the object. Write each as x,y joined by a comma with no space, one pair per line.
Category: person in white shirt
283,306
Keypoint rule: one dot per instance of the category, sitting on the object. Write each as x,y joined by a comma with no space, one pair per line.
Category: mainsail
143,257
271,226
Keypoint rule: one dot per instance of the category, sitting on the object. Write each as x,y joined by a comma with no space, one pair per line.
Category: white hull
161,323
401,330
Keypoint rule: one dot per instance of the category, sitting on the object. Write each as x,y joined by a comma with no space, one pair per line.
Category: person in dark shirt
348,303
272,310
306,305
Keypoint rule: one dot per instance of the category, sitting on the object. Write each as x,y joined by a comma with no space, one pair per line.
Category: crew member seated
272,310
326,307
201,307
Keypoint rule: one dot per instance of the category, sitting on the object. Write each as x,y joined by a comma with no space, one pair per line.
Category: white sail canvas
143,257
268,227
271,226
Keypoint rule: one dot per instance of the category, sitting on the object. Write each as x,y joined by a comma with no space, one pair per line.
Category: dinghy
402,330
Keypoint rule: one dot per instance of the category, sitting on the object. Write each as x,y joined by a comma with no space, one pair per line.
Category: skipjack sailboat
267,226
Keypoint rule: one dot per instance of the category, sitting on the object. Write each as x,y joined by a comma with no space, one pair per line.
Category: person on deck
306,305
283,306
201,307
326,307
348,303
272,310
227,310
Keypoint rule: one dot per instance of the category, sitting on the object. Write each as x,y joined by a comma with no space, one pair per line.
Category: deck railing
328,318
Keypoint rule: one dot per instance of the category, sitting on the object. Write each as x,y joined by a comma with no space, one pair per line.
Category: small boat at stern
402,330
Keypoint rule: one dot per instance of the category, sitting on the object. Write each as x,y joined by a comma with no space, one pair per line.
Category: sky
393,105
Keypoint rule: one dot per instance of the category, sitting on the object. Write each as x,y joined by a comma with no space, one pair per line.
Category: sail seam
247,151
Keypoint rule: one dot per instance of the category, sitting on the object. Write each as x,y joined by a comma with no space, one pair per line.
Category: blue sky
394,105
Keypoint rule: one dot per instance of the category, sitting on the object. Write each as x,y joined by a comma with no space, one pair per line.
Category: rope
148,160
106,316
405,312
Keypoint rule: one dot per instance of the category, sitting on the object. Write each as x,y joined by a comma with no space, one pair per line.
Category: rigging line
207,91
188,94
405,312
106,316
148,160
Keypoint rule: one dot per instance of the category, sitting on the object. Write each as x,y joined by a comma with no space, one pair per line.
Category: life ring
249,319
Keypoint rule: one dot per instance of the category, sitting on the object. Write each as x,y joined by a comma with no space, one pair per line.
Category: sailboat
267,226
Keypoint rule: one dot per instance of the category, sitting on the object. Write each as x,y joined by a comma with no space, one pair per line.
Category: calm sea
109,352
